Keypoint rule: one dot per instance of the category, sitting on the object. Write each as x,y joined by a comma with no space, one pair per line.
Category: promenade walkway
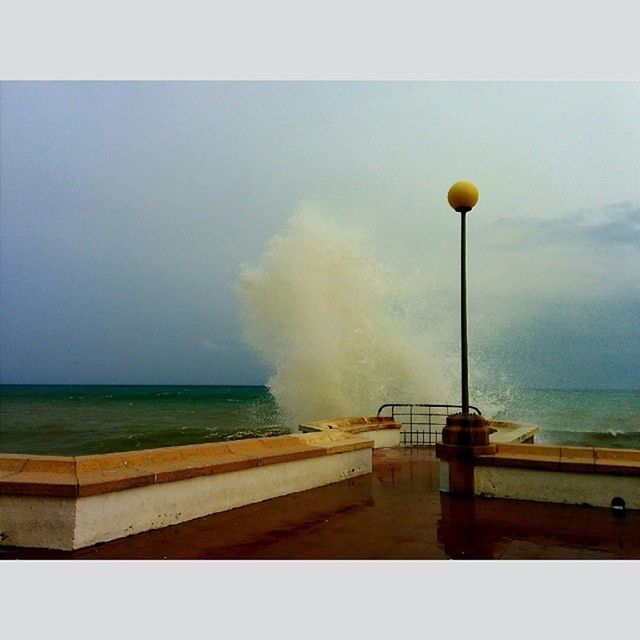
394,513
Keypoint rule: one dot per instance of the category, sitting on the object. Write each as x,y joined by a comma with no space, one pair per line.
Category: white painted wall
557,486
114,515
383,437
35,521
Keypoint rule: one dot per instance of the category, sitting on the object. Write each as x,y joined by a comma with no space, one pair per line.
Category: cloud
621,226
617,223
588,256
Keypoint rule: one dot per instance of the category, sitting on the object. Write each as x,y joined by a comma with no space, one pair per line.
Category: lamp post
462,197
465,435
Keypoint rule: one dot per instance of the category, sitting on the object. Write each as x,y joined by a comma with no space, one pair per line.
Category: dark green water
586,418
78,419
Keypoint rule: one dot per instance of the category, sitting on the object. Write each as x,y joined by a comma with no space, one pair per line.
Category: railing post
411,421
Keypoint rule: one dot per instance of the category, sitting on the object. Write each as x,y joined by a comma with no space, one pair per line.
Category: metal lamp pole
462,197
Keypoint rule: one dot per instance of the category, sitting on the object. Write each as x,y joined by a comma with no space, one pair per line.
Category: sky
128,210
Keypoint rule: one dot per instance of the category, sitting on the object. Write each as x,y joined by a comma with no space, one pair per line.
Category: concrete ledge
38,475
72,502
522,470
91,475
570,475
591,460
383,430
511,432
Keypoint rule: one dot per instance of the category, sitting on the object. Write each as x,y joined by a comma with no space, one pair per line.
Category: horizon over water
342,334
85,419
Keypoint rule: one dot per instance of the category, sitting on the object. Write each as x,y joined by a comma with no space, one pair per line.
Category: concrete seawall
72,502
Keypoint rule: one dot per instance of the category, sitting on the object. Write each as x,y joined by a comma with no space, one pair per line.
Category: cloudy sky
129,208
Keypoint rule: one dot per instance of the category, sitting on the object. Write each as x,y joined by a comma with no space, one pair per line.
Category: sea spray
326,315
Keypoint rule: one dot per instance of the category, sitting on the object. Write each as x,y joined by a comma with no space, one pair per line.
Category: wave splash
333,325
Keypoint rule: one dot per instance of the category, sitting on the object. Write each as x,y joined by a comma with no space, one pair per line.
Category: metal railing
422,423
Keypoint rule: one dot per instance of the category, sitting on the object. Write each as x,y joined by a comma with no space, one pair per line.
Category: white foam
325,315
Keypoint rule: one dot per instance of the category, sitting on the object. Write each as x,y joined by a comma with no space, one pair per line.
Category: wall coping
502,431
352,425
559,458
79,476
505,432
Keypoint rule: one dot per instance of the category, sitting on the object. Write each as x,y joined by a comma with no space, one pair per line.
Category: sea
89,419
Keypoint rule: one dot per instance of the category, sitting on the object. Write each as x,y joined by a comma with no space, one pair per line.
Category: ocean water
80,419
586,418
86,419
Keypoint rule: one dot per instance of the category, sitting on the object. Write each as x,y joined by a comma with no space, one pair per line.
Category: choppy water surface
77,419
595,418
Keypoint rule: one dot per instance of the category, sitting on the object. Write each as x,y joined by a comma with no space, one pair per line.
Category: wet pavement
396,512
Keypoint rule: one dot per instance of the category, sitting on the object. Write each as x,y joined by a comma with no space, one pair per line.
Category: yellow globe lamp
463,196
